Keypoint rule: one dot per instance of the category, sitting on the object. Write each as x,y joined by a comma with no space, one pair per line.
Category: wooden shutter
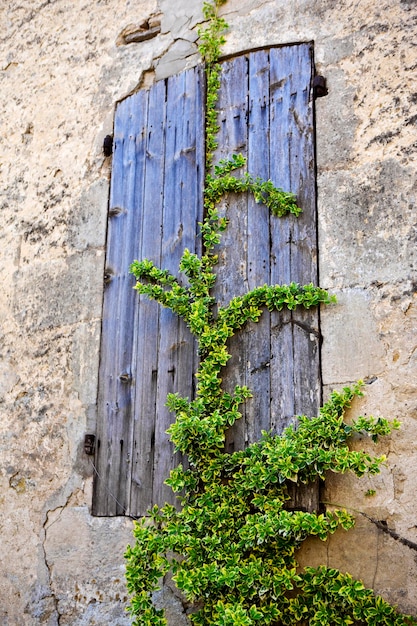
266,113
146,351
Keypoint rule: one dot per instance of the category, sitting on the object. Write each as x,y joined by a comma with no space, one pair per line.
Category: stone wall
63,67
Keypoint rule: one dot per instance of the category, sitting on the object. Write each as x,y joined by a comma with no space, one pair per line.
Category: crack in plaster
147,76
180,57
46,525
383,526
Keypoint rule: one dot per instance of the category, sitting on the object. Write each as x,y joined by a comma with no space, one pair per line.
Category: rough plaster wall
61,73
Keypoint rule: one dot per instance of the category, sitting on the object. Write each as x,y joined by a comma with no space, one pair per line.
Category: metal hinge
90,444
319,87
108,145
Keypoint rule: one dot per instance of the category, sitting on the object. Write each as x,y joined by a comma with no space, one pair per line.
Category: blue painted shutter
266,113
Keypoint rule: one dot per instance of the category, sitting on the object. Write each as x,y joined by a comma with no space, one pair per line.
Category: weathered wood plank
284,372
232,270
282,349
295,377
294,249
146,330
115,402
182,209
257,415
304,262
156,202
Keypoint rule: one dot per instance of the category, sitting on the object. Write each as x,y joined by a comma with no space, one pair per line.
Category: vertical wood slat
264,113
295,346
295,371
115,400
258,248
147,325
181,212
231,270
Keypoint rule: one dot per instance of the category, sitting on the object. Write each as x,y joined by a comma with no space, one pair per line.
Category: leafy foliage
232,545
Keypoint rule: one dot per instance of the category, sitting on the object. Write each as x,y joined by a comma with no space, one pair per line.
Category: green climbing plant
232,546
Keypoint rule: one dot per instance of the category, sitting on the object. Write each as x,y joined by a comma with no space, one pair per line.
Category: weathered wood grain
182,209
231,271
147,324
294,250
257,415
115,401
278,357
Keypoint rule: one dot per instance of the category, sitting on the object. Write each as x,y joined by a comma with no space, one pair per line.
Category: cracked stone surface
97,591
62,70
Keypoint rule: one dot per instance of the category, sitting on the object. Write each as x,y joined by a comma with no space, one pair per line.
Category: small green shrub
232,546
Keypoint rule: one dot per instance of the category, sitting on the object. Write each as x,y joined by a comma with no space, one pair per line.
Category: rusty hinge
108,145
89,444
319,87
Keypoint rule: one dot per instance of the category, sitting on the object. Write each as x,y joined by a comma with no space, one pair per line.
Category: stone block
367,229
88,221
59,293
352,349
85,558
85,361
